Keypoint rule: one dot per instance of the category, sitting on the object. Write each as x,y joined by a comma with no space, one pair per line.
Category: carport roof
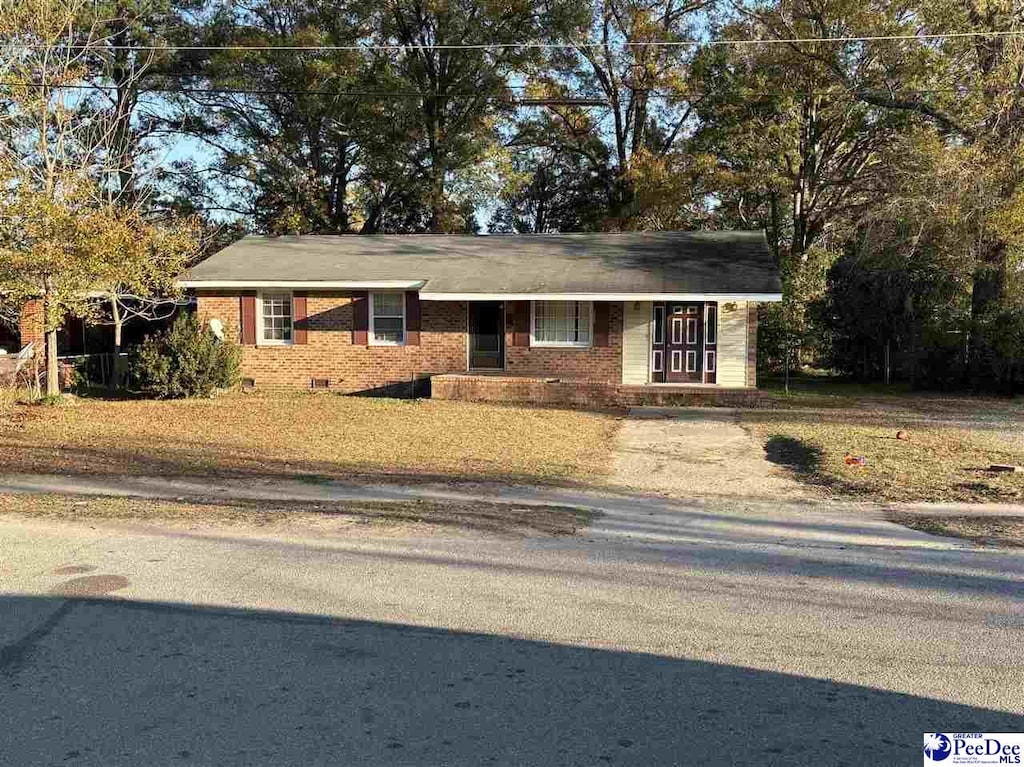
734,264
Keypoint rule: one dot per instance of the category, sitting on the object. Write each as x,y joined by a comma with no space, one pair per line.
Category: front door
486,335
684,343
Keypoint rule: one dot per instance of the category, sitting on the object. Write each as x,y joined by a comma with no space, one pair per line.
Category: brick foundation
585,393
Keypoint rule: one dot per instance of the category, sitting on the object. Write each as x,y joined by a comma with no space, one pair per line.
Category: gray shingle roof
723,263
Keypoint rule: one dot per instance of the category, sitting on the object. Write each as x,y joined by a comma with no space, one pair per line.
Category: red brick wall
330,353
597,363
30,324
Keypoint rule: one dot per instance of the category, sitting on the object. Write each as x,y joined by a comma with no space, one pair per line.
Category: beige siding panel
732,344
636,341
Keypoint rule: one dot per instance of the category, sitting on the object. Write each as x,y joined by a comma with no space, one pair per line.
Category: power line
519,101
537,45
535,101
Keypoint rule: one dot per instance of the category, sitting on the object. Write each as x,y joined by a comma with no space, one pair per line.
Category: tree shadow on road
109,682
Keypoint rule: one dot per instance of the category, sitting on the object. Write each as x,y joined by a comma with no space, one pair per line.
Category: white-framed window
710,324
562,323
387,319
275,319
659,325
709,361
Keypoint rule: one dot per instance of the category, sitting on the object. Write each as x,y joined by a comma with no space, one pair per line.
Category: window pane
582,323
388,330
388,304
389,318
277,316
711,325
562,322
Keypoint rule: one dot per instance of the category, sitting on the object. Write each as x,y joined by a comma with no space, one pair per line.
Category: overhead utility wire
519,100
568,100
548,46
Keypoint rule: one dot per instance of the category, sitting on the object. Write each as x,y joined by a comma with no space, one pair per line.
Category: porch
586,393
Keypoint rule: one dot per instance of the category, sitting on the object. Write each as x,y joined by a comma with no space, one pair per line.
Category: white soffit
600,296
304,284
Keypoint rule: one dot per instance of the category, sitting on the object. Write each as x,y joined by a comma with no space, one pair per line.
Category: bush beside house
187,360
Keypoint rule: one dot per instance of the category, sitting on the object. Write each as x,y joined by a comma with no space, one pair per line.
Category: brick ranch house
568,317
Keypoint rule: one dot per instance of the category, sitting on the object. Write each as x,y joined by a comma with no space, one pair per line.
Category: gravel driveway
696,453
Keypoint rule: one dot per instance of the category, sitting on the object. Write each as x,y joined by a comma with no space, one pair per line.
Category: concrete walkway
696,453
960,509
624,515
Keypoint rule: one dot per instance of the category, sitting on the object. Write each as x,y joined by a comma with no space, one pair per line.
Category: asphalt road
669,633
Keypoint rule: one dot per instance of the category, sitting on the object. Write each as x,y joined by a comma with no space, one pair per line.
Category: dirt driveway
695,453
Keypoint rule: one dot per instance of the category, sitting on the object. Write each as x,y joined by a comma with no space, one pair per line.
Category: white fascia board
600,296
304,284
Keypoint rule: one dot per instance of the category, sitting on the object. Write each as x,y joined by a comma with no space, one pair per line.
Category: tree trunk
775,234
338,194
432,111
117,374
52,383
50,336
540,218
805,184
436,197
988,291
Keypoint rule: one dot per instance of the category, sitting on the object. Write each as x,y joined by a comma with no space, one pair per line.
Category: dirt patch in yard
988,530
407,517
306,435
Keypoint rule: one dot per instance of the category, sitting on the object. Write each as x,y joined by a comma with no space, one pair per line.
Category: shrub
186,361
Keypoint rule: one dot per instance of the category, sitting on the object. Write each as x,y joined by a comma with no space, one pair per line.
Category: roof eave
215,284
733,296
426,295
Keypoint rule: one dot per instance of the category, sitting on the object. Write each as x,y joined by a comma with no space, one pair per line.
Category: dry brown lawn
939,461
305,435
988,530
404,517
